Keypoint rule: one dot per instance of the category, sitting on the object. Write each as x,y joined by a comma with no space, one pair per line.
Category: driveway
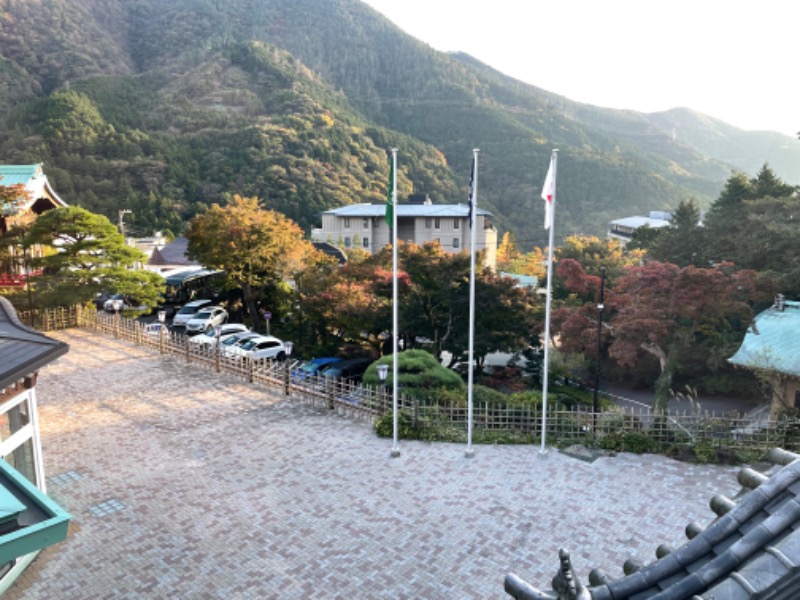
185,484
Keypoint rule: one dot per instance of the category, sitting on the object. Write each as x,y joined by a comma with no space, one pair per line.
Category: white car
156,330
236,338
257,348
206,319
187,311
226,330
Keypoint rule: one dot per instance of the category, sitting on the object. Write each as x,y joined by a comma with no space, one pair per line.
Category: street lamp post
600,307
383,373
287,346
162,317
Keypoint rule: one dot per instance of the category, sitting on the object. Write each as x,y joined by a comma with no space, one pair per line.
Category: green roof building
772,346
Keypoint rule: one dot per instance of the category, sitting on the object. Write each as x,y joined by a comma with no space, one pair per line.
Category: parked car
156,330
119,302
258,348
100,298
226,330
206,319
312,367
236,338
187,311
351,370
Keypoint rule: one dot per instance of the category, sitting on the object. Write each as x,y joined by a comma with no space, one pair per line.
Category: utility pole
121,222
600,307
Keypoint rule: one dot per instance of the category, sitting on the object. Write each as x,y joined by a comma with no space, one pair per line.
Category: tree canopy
83,255
256,248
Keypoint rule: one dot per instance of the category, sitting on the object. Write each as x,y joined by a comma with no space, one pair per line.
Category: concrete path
184,484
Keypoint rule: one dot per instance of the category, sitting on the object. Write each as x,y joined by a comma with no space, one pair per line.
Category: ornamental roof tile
773,340
23,350
752,550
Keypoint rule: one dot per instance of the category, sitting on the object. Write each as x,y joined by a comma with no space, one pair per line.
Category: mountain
163,107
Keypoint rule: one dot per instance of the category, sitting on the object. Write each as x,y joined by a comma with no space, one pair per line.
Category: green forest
164,108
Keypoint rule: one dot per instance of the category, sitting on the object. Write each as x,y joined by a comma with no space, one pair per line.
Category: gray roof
23,350
636,222
173,253
773,341
406,210
752,550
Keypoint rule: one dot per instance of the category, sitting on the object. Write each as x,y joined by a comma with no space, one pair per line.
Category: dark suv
351,370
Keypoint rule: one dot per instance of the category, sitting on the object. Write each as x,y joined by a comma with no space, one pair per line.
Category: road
627,396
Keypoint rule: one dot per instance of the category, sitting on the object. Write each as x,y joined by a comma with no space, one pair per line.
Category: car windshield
231,340
202,315
248,344
187,310
309,367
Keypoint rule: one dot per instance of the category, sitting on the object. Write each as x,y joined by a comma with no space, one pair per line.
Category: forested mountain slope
164,106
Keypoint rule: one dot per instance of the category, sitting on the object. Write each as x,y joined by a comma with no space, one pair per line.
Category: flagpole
551,178
473,221
395,321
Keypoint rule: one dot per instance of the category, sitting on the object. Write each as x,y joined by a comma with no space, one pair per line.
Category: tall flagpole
473,205
395,321
550,211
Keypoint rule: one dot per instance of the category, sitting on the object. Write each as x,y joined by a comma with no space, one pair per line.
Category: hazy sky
735,60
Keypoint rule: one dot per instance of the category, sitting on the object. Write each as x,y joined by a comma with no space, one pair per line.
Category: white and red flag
549,193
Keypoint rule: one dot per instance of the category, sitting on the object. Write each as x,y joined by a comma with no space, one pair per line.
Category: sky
734,60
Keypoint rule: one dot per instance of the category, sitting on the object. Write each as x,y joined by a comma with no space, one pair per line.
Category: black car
351,370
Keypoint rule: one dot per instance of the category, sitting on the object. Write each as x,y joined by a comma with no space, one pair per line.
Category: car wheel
281,356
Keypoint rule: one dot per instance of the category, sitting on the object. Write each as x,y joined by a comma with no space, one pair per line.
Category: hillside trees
256,248
683,242
85,254
754,223
436,305
663,310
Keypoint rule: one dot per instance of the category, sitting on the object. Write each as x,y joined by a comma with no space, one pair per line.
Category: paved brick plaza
183,484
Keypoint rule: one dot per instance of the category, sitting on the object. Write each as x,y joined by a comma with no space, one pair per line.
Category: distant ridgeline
298,101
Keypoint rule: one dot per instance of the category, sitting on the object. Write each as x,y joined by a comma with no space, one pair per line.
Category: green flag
390,195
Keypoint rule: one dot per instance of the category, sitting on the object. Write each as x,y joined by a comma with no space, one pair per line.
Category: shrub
639,443
704,453
384,426
419,374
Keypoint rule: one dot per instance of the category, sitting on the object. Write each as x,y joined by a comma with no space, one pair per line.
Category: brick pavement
184,484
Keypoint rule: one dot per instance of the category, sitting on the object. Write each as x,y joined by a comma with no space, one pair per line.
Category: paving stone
231,491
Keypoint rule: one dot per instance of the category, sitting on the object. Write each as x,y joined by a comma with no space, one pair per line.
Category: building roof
636,222
773,340
34,180
522,280
332,251
406,210
173,253
23,350
752,550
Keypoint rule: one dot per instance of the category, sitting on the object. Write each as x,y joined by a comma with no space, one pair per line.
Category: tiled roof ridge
654,579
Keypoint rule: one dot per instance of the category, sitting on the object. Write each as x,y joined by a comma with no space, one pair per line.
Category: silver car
206,319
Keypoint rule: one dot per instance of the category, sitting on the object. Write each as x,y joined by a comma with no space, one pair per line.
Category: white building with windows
623,229
418,221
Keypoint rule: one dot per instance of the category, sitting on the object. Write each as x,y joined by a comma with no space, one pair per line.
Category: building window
427,223
455,243
347,242
376,221
347,222
437,224
456,223
366,242
365,223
